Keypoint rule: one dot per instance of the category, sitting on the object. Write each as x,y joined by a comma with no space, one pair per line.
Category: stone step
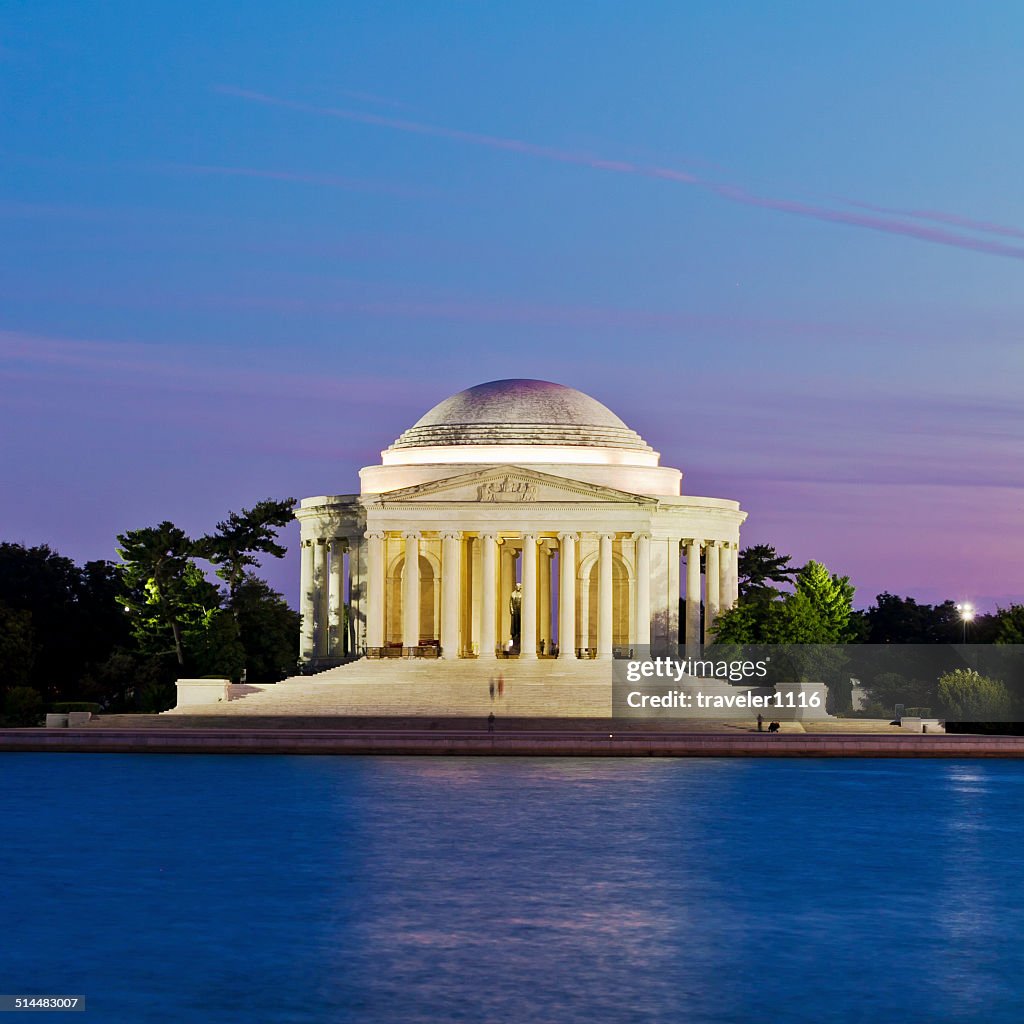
545,688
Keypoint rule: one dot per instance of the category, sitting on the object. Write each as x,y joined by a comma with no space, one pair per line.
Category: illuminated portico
515,482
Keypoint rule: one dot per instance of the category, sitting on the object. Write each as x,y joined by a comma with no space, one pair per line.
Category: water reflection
406,890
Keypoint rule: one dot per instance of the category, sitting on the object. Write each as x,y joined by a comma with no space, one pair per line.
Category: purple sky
239,258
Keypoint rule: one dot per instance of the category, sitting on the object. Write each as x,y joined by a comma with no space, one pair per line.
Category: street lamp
966,611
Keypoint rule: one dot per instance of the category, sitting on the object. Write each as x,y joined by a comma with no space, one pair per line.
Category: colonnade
330,572
476,576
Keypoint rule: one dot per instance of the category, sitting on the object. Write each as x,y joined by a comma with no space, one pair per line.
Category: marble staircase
546,688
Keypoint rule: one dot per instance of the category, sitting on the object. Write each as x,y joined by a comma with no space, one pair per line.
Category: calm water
175,888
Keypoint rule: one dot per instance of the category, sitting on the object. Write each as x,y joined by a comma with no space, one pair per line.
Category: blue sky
244,246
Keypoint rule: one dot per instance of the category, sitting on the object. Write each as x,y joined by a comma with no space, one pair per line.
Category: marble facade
512,483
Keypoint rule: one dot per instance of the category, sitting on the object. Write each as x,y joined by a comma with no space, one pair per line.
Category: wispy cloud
730,193
887,225
985,226
361,302
459,135
124,362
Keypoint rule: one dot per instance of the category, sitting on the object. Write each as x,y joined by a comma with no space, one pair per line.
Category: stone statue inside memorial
515,605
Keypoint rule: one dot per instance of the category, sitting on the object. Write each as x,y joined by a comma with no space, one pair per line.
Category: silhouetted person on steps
490,722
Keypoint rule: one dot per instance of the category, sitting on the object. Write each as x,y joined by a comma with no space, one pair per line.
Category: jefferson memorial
517,519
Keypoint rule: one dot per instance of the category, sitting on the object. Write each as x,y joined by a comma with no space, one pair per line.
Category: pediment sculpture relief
507,490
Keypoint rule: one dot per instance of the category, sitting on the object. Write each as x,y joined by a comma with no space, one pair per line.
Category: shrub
967,696
23,706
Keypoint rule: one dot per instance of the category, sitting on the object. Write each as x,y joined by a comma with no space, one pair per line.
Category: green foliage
817,612
241,537
64,706
966,696
39,581
1009,625
831,597
158,585
887,689
812,622
118,635
114,681
23,706
741,624
271,631
901,620
152,698
761,565
214,647
182,631
17,648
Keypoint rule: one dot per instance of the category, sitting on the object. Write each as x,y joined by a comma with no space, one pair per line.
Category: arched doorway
430,600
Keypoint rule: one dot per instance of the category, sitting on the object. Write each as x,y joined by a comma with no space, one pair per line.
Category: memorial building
517,519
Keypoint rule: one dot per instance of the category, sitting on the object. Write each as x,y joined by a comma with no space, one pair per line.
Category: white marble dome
521,412
526,423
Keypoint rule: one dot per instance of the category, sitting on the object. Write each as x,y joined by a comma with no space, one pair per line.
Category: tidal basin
392,889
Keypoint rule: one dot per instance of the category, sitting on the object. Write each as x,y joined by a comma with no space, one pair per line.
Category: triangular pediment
510,485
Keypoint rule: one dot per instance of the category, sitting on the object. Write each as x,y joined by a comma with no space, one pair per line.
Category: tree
888,689
17,647
831,597
760,565
157,559
23,706
1009,625
901,620
817,612
271,630
741,624
966,696
46,585
59,622
240,537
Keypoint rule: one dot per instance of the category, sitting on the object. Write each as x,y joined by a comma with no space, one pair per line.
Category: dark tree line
118,634
780,604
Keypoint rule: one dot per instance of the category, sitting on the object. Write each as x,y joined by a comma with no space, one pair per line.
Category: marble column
375,590
356,594
604,598
475,559
320,598
672,555
336,599
643,590
567,596
307,602
583,637
725,577
451,579
528,609
544,596
712,593
692,598
411,591
489,588
659,597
